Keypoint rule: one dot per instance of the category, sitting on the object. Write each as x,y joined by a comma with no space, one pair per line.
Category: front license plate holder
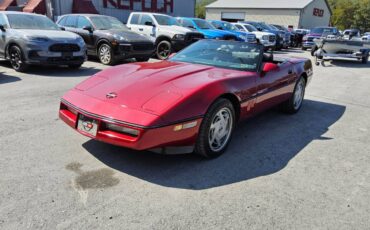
87,125
67,54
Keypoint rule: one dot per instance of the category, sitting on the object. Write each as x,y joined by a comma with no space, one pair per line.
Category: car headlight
119,38
179,37
123,130
38,39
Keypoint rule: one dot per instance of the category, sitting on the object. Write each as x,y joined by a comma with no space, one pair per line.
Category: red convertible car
189,103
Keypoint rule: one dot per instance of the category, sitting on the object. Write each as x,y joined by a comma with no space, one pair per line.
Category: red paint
318,12
146,5
154,97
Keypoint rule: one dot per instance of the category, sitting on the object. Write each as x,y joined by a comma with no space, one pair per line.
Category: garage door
233,16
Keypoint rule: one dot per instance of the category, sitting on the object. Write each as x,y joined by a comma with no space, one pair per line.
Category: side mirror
88,28
270,67
62,28
149,24
2,28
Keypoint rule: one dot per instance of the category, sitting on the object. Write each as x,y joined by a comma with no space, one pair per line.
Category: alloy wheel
299,94
220,130
105,54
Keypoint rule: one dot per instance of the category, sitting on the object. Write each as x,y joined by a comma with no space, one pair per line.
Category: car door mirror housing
149,24
270,67
2,28
88,28
62,28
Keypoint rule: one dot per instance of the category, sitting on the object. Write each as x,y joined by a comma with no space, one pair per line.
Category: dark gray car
32,39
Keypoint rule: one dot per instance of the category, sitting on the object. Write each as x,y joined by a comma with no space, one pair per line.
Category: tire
17,59
163,50
142,59
105,54
75,66
208,145
304,48
294,104
365,59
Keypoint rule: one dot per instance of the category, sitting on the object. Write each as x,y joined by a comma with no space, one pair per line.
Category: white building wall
309,21
272,16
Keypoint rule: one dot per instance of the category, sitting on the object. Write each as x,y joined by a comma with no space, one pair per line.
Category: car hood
260,33
145,86
215,33
53,35
176,29
129,35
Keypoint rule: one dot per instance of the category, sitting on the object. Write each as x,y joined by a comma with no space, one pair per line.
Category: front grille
64,48
229,37
143,47
272,38
193,37
310,39
251,38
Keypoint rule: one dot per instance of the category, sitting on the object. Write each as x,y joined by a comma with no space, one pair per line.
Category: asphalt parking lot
306,171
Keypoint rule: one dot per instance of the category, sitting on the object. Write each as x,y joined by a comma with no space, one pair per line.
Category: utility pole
49,9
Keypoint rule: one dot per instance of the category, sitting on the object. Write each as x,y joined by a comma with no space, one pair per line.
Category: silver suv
169,36
32,39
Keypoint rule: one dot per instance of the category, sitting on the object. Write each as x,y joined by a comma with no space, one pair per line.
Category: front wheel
105,54
164,49
294,104
216,129
17,60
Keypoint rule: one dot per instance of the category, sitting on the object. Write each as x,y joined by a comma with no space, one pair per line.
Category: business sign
156,6
318,12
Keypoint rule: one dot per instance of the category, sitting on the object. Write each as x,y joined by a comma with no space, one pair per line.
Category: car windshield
203,24
229,26
250,28
164,20
107,23
223,54
31,22
323,30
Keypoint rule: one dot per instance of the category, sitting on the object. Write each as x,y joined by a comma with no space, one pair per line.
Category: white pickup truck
164,30
268,40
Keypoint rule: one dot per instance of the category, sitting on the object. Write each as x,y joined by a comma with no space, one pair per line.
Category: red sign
318,12
156,6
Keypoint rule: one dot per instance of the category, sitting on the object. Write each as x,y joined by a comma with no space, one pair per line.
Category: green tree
200,8
361,17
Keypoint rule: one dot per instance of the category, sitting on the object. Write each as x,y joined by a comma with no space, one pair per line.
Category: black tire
105,54
290,105
365,59
163,50
203,146
75,66
142,59
304,48
17,59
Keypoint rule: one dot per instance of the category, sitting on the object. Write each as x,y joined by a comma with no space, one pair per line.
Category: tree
200,8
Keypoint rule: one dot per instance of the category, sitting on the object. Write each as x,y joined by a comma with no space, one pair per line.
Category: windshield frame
259,63
54,27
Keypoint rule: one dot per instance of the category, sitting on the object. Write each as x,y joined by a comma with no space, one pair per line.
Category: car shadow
8,79
260,146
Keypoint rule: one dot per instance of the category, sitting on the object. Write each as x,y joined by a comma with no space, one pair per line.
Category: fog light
185,126
124,130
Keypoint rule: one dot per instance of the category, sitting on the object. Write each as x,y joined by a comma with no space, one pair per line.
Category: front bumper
308,44
266,43
161,139
139,50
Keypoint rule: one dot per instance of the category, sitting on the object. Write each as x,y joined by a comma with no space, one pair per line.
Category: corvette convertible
189,103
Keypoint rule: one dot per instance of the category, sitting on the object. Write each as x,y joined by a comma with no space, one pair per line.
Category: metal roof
261,4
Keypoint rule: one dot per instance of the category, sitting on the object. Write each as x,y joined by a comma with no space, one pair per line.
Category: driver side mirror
149,24
270,67
2,28
88,28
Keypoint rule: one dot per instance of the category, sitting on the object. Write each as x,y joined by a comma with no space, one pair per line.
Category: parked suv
167,35
227,26
268,40
263,27
107,38
28,39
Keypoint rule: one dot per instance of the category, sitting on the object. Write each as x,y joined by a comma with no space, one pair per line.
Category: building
293,13
120,9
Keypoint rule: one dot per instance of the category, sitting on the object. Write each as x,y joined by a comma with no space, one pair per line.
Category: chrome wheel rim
299,94
220,130
163,50
15,59
105,54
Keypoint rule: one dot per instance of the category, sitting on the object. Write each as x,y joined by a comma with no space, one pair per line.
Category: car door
133,23
87,35
275,87
3,34
144,28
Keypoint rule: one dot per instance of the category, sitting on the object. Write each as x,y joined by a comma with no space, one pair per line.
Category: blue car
227,26
209,31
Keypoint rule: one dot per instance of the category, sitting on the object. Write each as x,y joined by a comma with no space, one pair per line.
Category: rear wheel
216,129
365,59
105,54
17,60
164,49
294,104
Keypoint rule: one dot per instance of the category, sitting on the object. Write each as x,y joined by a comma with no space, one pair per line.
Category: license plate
67,54
87,125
